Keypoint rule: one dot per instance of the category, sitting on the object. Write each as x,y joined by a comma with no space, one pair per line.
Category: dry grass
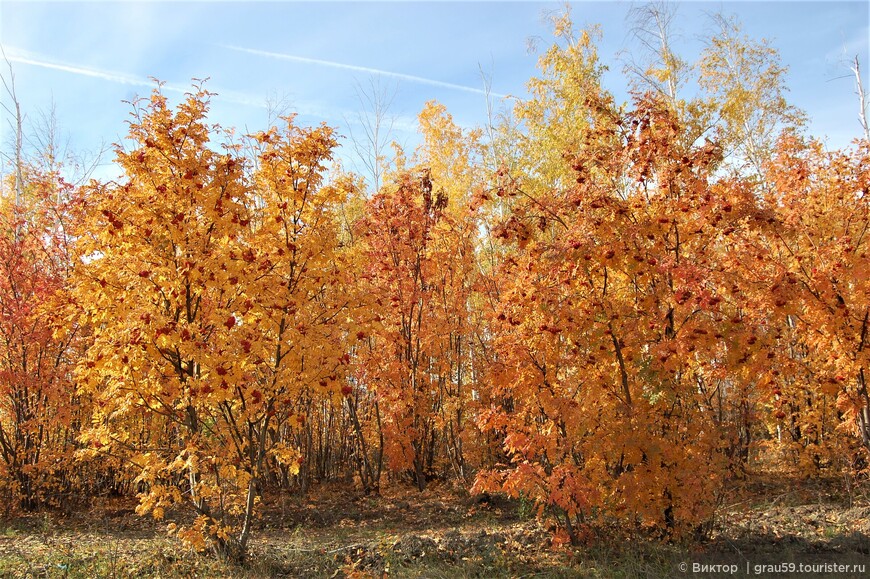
440,534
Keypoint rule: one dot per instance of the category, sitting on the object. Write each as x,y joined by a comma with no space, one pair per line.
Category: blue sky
89,57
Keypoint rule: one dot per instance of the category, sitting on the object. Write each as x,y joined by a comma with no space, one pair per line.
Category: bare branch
19,133
377,127
862,99
661,69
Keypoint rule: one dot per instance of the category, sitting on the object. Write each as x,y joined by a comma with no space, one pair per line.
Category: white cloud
365,69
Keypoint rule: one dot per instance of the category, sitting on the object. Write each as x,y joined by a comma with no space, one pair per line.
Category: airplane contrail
365,69
115,77
121,78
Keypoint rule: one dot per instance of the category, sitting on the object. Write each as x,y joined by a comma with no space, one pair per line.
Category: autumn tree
38,405
744,81
413,248
735,93
213,299
301,299
453,157
621,318
816,256
658,67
